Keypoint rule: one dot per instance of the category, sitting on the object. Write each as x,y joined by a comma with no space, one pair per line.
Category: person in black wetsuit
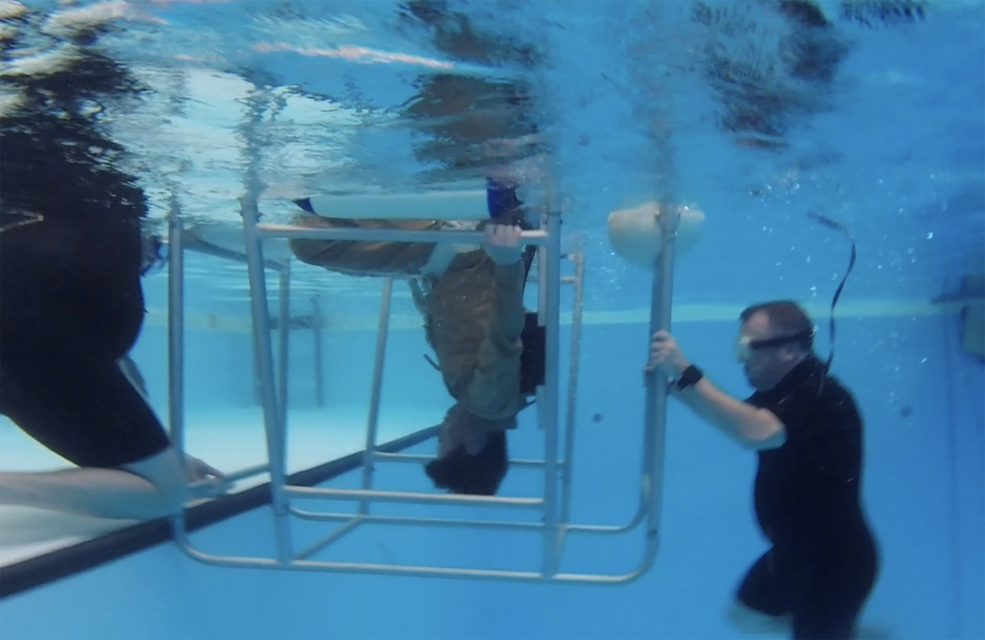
71,257
823,562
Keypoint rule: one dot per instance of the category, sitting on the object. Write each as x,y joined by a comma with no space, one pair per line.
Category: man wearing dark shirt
807,432
72,251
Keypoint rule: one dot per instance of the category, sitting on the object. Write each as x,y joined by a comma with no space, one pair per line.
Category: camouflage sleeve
494,390
358,257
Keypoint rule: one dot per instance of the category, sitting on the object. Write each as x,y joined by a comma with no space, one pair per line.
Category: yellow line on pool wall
817,311
157,317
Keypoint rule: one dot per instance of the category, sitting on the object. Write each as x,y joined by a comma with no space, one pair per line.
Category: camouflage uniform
473,312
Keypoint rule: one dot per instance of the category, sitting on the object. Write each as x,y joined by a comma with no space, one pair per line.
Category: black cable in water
842,229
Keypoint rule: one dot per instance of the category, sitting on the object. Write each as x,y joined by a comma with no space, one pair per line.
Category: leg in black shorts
72,306
823,599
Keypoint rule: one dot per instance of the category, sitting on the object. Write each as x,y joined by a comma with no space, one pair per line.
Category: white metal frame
556,523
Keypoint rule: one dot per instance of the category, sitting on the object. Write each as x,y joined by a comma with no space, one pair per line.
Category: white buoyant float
634,233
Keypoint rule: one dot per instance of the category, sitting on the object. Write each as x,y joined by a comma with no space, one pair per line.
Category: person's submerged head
472,457
774,337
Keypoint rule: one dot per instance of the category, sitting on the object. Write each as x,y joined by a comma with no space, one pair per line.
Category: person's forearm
364,257
750,426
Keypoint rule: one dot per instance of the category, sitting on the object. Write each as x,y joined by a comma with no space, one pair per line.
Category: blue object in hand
305,204
501,199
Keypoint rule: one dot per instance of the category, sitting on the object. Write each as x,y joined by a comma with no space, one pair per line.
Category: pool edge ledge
28,574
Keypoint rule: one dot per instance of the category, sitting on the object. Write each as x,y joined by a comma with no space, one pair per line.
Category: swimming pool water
894,148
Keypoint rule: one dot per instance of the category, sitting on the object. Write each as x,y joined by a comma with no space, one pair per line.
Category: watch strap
689,376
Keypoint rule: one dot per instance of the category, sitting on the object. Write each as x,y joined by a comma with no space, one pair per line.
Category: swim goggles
744,345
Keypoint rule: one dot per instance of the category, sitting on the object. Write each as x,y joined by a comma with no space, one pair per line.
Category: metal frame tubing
316,326
555,525
373,423
176,345
567,466
276,439
419,458
655,421
200,246
550,285
246,562
542,258
176,327
177,245
388,235
283,335
567,461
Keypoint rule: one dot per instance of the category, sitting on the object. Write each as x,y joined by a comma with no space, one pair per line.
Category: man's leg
763,603
142,490
148,489
69,313
84,409
752,622
836,595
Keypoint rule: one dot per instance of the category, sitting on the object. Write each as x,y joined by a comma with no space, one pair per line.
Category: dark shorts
72,306
824,600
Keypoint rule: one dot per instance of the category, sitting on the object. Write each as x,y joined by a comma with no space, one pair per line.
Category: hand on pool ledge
204,480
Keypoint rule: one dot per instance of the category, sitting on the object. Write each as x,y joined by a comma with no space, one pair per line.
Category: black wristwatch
689,376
